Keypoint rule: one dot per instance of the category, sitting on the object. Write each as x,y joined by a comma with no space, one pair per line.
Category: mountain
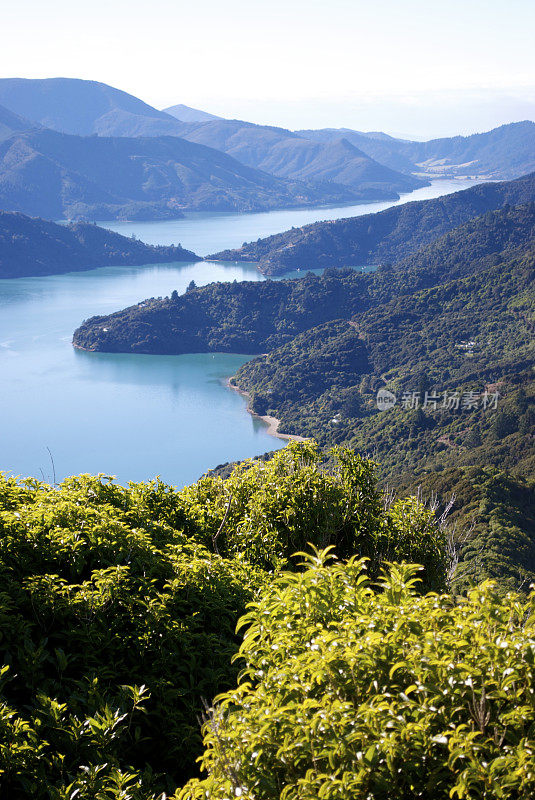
11,123
409,344
245,317
381,147
49,174
84,108
504,152
389,235
30,246
288,155
187,114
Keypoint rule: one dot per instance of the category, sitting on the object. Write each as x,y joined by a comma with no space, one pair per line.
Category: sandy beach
272,423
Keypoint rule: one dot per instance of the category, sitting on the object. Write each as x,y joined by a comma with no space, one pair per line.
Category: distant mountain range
83,149
84,108
389,235
288,155
505,152
30,246
50,174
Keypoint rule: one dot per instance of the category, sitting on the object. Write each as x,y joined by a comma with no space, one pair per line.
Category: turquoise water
131,416
127,415
209,232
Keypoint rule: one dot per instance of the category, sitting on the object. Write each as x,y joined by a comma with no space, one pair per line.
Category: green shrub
352,693
118,608
267,510
100,595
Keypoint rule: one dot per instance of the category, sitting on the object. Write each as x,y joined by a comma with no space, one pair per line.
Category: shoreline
272,423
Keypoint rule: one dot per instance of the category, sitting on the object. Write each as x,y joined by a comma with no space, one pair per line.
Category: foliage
267,510
490,526
118,607
352,693
101,596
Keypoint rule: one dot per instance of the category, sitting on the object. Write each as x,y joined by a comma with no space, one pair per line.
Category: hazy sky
424,67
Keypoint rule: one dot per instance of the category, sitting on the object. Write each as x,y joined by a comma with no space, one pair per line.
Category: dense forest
414,339
33,246
384,237
245,317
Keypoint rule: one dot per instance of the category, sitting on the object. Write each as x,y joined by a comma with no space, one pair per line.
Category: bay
65,412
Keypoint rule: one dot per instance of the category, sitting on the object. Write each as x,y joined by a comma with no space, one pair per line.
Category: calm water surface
210,232
132,416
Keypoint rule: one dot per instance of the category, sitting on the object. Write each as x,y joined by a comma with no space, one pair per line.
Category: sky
410,67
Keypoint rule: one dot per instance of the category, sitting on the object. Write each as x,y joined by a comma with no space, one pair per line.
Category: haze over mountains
288,155
55,175
188,114
137,166
84,108
85,150
505,152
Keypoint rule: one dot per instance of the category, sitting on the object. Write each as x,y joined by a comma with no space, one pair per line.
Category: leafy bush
118,608
267,510
100,597
353,693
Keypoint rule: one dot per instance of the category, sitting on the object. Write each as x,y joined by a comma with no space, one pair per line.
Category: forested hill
478,243
252,317
387,236
460,336
246,317
33,246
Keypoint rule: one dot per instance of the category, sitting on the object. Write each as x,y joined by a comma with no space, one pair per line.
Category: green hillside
386,237
32,246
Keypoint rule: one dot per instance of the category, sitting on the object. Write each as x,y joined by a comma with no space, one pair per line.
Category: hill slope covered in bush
388,236
33,246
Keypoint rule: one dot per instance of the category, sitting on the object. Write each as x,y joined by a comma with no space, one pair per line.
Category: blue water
132,416
207,232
